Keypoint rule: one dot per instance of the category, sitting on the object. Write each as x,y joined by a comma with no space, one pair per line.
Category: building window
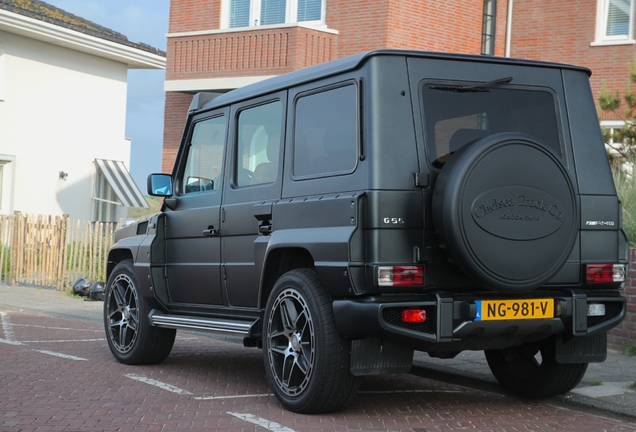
2,73
6,188
104,200
247,13
273,12
310,10
1,180
619,141
488,27
614,22
113,187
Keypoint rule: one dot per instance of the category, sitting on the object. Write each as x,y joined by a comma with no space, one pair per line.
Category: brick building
598,34
219,45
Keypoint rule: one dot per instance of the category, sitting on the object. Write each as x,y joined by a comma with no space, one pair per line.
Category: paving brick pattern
57,374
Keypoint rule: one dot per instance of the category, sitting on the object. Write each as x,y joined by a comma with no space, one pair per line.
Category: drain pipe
508,28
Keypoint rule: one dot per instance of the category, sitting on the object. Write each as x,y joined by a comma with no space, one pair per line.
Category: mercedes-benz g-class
343,216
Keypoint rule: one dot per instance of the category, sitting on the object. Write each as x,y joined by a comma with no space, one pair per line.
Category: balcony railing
262,51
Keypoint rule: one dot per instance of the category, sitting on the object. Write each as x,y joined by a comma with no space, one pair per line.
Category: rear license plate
491,310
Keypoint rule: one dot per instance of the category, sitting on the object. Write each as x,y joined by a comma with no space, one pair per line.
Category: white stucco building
63,83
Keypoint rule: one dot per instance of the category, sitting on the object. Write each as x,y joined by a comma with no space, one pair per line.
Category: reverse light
596,309
605,273
413,316
400,275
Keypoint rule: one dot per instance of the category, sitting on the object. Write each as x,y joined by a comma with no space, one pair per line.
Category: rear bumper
451,324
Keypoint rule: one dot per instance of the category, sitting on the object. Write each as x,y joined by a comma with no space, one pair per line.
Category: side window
205,157
259,143
326,132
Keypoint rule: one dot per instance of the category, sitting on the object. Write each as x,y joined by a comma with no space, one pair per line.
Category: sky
140,21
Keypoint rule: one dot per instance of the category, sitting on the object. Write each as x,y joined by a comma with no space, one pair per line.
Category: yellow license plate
490,310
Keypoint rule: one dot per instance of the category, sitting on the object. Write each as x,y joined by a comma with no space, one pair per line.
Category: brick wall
361,25
553,31
500,27
452,26
562,32
194,15
174,122
625,333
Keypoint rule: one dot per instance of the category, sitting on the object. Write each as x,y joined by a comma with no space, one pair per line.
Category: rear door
255,182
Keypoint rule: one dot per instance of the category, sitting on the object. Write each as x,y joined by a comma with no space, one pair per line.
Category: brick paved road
57,374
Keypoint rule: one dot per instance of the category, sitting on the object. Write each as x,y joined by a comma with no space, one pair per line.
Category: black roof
355,61
42,11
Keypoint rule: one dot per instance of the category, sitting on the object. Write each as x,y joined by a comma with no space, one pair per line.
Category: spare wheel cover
505,210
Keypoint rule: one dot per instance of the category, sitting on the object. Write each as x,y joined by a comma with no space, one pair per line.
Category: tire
131,338
306,360
521,371
505,210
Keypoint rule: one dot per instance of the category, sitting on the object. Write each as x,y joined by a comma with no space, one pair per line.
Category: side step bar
226,327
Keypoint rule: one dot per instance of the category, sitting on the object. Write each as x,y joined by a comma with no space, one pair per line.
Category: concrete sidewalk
606,387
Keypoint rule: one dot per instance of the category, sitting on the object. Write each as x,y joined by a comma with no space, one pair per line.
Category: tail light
400,275
605,273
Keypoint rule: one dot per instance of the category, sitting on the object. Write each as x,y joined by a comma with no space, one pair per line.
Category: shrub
626,189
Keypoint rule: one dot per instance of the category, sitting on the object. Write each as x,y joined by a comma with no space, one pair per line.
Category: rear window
456,114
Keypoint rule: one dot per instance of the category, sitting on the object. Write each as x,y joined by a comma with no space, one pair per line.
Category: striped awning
122,183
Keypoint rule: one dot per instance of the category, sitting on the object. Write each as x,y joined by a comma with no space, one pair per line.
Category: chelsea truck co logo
518,212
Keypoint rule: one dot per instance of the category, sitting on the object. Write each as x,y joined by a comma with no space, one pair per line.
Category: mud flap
373,356
588,349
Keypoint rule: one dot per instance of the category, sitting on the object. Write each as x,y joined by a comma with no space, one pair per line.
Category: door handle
210,232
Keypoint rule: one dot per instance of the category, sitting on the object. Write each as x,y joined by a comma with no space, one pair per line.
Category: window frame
602,16
254,20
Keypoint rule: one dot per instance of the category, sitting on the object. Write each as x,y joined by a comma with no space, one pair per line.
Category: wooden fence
52,251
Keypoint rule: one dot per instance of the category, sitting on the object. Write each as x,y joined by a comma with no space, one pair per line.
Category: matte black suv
342,216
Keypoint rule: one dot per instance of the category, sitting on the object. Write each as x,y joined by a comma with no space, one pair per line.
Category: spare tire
506,212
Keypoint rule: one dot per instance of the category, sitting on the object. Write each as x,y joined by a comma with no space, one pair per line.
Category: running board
226,327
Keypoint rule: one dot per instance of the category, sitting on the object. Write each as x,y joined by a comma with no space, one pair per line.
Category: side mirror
160,185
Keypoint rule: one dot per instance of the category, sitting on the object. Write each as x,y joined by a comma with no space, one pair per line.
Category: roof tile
42,11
